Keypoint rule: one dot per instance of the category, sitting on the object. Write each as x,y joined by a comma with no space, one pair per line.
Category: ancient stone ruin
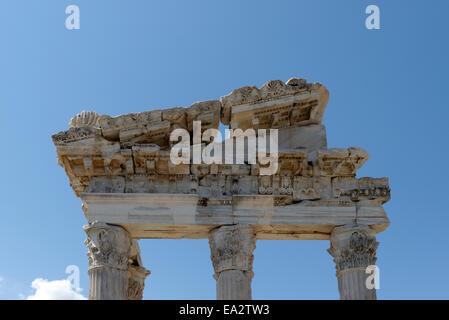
120,167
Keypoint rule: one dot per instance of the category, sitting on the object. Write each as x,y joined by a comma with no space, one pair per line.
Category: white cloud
54,290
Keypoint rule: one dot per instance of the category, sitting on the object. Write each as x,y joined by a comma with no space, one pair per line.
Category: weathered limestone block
208,112
361,189
112,126
157,133
311,137
341,162
155,126
294,163
138,183
354,249
230,169
144,156
84,118
219,186
232,257
176,116
75,134
106,185
275,105
212,186
175,184
200,170
307,188
108,252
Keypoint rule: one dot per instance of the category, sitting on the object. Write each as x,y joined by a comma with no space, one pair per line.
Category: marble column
354,249
137,273
136,282
232,257
108,252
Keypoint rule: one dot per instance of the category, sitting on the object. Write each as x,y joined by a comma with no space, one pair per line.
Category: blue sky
388,95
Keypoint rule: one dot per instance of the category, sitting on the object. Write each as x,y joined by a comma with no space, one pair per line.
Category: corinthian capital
136,282
353,247
232,248
107,245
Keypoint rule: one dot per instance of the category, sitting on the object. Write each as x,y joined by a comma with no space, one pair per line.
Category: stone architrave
354,249
232,257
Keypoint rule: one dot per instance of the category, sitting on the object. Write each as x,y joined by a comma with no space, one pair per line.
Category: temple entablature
166,174
130,154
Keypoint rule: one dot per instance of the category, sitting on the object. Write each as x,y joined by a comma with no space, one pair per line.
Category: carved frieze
75,134
341,162
308,188
275,105
361,189
129,153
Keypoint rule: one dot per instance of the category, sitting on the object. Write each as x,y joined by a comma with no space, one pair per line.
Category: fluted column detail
108,255
354,249
232,257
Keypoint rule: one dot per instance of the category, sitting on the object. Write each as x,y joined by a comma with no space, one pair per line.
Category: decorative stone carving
232,257
155,126
108,246
75,134
232,248
307,188
354,249
275,105
108,256
120,167
265,185
360,252
136,282
341,162
361,189
136,273
84,118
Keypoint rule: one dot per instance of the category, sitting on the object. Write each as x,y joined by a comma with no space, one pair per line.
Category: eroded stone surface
121,168
130,154
275,105
353,248
232,258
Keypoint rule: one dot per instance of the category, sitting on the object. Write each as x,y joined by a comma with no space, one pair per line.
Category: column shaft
234,285
352,285
108,284
108,252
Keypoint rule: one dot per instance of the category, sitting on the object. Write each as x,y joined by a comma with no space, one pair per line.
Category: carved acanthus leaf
360,252
108,246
